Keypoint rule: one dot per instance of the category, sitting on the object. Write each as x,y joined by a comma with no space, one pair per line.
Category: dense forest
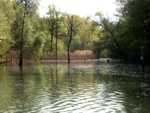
30,36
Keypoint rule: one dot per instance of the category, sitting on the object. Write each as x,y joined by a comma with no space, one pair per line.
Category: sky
82,8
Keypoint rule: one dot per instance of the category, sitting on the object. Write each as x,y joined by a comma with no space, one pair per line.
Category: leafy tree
6,18
135,15
24,9
71,31
51,23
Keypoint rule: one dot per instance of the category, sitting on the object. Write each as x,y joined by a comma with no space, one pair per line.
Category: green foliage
6,18
127,39
136,21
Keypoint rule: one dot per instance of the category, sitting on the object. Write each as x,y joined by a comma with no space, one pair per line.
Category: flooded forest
63,62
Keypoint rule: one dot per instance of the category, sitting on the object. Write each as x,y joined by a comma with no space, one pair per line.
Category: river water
78,89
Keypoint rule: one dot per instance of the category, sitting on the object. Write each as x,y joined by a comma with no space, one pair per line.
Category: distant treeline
22,30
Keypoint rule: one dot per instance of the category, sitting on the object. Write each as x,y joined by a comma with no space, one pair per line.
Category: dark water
80,89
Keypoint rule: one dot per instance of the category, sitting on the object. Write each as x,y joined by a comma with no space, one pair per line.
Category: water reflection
71,89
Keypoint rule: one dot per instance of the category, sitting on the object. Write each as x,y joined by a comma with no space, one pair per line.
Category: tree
135,14
54,27
70,34
56,33
24,8
6,19
51,23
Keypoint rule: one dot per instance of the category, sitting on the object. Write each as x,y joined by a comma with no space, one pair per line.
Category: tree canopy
24,31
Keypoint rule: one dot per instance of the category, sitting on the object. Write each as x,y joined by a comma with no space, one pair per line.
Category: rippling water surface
78,89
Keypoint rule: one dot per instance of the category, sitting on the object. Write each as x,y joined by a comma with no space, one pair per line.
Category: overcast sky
81,7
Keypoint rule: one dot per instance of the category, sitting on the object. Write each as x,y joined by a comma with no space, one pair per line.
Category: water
80,89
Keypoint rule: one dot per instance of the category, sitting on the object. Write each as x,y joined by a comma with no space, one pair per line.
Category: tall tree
56,33
70,33
51,23
136,15
54,21
24,8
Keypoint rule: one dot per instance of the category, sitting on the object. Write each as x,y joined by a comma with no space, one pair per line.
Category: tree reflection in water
71,88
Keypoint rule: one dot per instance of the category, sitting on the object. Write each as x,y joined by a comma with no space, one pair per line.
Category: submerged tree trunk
70,33
68,54
69,43
56,36
22,41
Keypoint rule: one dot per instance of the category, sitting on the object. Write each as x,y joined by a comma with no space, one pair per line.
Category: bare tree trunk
70,32
68,54
51,41
56,36
56,46
69,44
51,30
22,42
